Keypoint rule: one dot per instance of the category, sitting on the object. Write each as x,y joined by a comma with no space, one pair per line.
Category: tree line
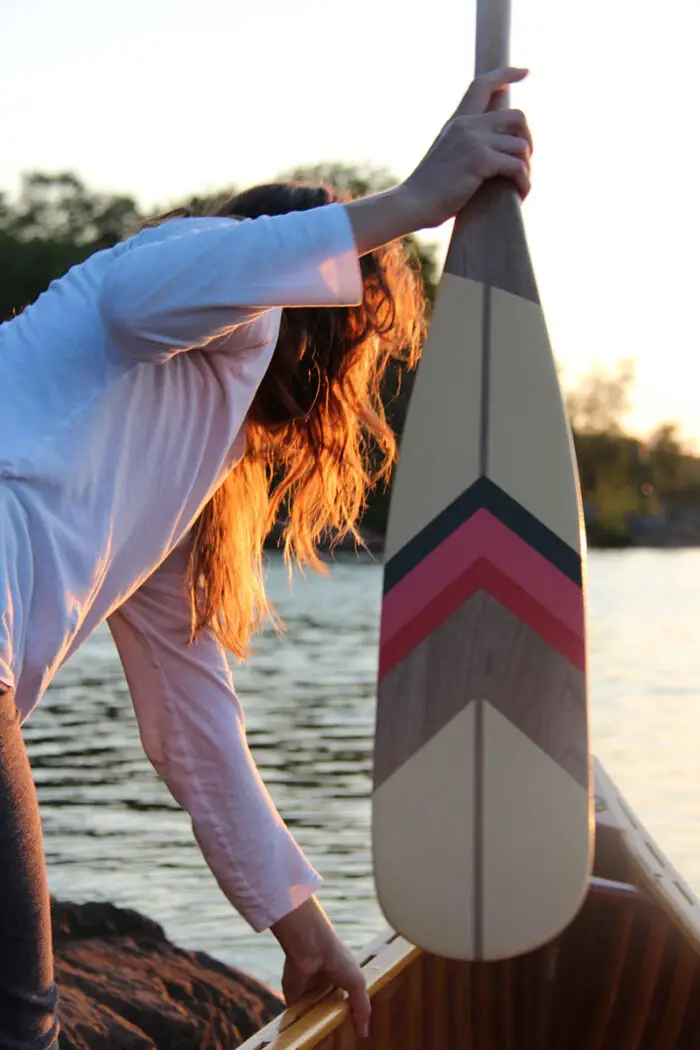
56,221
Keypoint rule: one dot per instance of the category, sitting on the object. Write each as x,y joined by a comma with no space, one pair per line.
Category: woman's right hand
476,144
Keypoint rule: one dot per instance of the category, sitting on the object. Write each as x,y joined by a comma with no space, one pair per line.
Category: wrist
412,204
303,930
384,217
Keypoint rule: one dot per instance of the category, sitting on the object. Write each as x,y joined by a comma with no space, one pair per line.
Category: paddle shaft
488,242
492,39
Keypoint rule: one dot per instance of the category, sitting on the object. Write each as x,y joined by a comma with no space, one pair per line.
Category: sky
164,100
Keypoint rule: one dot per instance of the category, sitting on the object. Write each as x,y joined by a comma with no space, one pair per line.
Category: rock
124,986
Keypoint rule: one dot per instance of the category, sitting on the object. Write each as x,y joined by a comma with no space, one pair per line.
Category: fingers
340,971
516,169
504,122
512,144
481,91
513,122
508,123
360,1006
348,976
501,154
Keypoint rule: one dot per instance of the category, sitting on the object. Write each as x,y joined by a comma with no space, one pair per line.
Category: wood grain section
483,650
488,243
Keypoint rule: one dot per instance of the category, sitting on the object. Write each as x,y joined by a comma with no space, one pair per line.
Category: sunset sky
162,100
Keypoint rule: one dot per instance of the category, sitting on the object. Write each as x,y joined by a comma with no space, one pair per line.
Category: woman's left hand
316,959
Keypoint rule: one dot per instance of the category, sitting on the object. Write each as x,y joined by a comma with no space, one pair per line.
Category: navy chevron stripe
484,493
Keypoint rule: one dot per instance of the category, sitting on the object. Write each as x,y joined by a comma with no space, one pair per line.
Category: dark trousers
28,995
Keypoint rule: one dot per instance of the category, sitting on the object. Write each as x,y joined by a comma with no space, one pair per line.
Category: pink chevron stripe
482,536
483,575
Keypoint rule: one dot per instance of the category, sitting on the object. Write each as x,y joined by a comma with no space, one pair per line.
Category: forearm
382,218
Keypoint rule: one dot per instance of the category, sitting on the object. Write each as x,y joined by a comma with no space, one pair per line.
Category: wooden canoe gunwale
317,1026
625,975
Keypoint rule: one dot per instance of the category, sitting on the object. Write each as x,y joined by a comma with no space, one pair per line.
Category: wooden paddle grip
488,242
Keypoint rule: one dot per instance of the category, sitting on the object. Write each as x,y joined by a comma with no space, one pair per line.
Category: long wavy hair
317,438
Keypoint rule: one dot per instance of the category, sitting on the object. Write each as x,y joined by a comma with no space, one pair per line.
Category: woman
160,402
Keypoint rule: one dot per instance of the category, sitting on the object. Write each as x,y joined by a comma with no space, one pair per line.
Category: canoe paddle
482,810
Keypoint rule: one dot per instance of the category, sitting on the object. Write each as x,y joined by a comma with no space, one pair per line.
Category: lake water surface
113,832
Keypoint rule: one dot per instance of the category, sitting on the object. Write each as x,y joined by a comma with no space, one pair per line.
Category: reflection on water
113,832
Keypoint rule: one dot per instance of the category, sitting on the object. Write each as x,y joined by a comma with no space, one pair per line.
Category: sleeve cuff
342,270
285,903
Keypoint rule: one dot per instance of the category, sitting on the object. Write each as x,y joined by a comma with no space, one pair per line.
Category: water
113,833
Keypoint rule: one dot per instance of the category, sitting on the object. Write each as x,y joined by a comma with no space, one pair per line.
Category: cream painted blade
423,823
535,859
467,886
529,453
445,460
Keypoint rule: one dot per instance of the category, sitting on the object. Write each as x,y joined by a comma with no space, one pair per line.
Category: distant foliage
622,477
602,400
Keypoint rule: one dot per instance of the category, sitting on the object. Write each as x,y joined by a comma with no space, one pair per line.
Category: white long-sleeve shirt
123,396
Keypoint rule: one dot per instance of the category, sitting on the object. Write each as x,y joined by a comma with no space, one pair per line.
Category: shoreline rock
125,986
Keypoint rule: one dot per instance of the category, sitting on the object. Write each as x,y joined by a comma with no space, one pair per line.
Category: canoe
624,975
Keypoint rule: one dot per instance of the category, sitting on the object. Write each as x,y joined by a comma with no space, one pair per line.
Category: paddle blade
482,818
